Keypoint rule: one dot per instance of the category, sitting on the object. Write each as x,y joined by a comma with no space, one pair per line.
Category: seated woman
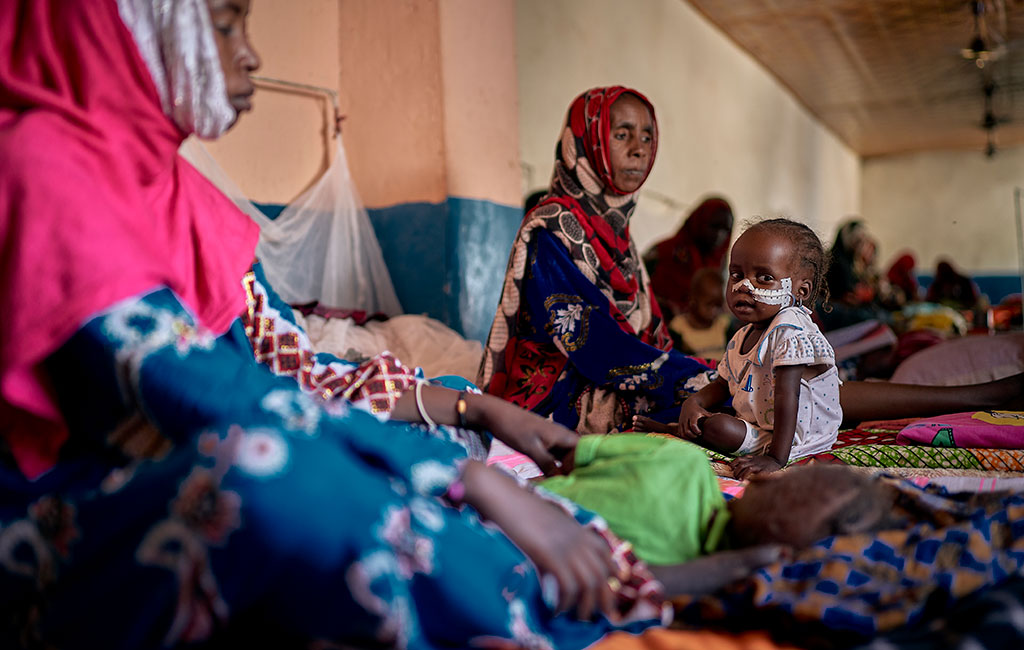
578,334
903,281
703,329
854,292
952,288
175,456
701,243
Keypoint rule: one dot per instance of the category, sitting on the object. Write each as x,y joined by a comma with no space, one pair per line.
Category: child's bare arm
707,574
787,405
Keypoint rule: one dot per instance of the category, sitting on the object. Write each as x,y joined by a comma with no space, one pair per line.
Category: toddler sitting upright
779,369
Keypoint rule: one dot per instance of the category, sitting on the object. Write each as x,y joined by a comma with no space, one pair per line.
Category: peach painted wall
481,103
428,88
282,146
393,97
726,125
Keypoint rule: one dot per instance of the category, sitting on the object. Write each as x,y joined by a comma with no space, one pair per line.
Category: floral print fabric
200,486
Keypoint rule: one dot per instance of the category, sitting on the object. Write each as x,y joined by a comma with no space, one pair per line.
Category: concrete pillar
430,91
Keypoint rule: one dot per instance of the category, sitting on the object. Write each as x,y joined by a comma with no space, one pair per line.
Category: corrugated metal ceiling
890,76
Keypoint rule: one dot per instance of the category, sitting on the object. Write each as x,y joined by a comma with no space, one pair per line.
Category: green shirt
657,492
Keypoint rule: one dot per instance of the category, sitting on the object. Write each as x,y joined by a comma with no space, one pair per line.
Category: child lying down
661,494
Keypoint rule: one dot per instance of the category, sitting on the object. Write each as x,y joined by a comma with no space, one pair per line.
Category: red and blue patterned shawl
590,217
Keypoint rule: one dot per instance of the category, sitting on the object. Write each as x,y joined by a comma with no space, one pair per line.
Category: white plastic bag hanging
322,246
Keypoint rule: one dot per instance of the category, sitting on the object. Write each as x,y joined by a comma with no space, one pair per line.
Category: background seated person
952,288
854,290
702,330
578,335
701,243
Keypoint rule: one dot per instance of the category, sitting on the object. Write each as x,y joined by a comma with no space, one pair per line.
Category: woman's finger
568,588
558,436
588,596
542,457
592,578
597,548
605,553
605,571
609,599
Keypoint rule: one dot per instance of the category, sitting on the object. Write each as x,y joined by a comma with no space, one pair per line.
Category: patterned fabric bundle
940,548
577,319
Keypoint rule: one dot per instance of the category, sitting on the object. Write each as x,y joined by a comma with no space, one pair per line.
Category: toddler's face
708,301
764,259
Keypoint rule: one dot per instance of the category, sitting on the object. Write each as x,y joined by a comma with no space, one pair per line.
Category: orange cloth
662,639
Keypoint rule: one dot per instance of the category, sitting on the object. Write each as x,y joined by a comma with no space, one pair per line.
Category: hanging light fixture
989,121
979,49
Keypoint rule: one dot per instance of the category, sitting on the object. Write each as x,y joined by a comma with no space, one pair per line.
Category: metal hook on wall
329,92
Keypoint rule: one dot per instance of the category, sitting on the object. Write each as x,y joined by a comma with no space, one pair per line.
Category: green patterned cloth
877,447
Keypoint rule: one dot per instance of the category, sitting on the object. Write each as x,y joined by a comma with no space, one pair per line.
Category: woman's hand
578,559
549,444
746,466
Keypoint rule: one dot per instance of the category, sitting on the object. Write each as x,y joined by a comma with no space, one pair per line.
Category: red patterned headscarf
590,216
680,257
901,274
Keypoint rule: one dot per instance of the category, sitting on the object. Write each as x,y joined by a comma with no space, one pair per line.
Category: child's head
774,264
801,505
707,296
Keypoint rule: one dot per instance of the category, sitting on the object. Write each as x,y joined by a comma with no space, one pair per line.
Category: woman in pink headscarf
175,457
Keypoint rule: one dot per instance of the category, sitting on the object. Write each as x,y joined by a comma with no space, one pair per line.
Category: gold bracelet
460,409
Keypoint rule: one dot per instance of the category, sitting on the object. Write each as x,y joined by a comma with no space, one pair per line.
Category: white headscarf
175,39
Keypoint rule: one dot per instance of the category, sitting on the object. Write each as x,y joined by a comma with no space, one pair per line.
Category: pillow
967,360
991,429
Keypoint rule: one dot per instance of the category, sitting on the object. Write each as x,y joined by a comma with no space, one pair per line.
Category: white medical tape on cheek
783,296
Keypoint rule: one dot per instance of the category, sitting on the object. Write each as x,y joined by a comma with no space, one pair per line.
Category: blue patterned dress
204,482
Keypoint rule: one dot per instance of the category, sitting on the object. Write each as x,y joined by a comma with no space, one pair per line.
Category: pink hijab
95,204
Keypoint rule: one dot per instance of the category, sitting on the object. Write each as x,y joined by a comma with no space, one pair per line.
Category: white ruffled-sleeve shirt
791,339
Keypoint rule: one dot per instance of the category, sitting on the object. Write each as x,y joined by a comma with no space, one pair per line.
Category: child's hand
691,417
746,466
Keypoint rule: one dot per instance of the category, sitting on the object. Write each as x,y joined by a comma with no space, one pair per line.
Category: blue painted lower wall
996,287
447,260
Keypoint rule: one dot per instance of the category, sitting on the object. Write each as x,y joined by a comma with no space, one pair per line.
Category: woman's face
237,57
716,231
632,141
